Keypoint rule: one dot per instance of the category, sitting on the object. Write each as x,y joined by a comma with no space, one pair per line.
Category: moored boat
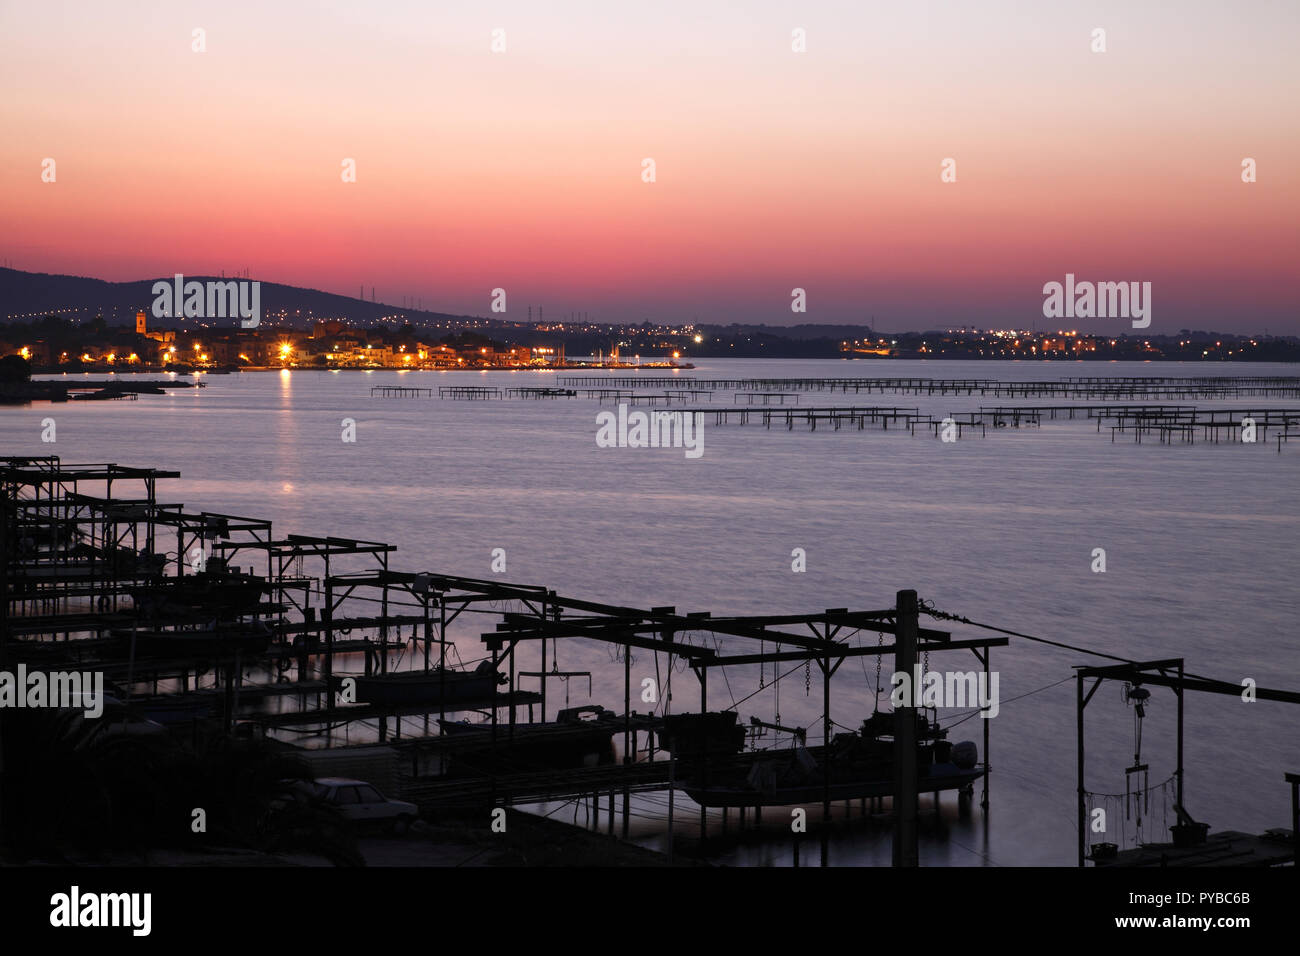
221,592
405,688
222,640
691,736
861,765
578,737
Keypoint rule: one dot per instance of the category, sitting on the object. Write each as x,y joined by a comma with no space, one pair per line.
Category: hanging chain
880,643
925,670
777,685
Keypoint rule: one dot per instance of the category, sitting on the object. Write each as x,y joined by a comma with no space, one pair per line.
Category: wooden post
1294,780
984,798
327,615
543,680
496,754
905,835
1083,806
1179,692
629,744
308,618
511,685
826,756
672,766
442,662
383,631
704,760
428,637
667,691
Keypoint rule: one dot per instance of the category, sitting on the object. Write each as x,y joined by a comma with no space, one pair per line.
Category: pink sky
775,169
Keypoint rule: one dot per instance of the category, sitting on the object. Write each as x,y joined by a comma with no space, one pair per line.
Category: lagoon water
1200,545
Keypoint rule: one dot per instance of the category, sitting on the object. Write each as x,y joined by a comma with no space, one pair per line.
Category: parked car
363,804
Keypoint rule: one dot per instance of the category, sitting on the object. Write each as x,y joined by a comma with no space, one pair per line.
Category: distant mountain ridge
25,295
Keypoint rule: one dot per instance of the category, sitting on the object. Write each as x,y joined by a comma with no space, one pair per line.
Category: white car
364,805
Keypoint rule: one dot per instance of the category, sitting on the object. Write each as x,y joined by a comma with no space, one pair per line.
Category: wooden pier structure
540,392
400,391
1192,844
215,626
1110,388
468,392
1120,412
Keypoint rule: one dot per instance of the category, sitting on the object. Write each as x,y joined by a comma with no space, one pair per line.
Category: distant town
72,323
53,343
56,344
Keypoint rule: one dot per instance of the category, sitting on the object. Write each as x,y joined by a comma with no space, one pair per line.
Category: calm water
1200,544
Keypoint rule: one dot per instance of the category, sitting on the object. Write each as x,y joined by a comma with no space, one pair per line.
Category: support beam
905,835
826,759
1081,824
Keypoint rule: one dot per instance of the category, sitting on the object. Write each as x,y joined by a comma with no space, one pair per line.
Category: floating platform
1227,848
1106,388
941,777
